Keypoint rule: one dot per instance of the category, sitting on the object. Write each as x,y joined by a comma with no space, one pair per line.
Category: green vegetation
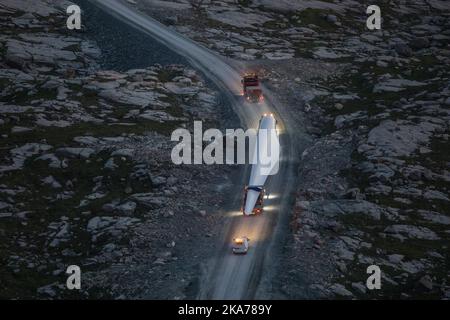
312,16
24,96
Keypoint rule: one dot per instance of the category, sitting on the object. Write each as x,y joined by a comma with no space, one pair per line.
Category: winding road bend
230,276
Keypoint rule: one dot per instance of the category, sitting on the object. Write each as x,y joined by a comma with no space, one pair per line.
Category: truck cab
252,89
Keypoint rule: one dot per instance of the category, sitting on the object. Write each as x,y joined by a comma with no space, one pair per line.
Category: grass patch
73,47
166,75
312,16
24,97
245,3
2,50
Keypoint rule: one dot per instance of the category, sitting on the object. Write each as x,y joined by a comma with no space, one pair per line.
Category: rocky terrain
85,174
374,182
374,185
86,178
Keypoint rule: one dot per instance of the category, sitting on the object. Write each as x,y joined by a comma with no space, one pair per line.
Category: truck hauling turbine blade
251,88
267,144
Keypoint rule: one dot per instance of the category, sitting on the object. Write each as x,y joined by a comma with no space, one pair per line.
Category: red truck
252,89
